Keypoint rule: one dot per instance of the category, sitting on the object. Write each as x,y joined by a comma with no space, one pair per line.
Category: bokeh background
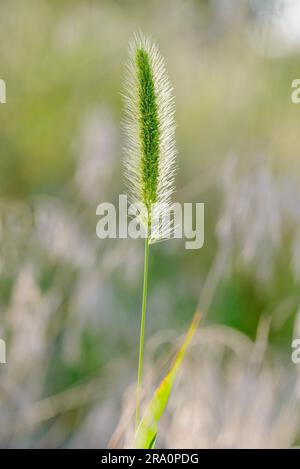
70,303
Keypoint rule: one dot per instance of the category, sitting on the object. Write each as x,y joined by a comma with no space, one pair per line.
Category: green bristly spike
149,128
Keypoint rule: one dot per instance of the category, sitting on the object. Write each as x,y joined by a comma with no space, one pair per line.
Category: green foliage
147,430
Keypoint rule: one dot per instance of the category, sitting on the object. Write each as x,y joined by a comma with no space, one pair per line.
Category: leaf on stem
147,429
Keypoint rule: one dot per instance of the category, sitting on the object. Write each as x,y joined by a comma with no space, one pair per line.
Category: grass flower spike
150,153
150,135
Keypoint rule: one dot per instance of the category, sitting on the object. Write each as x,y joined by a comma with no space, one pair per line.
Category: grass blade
147,430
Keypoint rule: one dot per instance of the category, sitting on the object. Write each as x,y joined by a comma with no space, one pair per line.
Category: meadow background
70,303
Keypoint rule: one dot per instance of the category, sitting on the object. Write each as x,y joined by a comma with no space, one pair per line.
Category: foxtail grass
149,153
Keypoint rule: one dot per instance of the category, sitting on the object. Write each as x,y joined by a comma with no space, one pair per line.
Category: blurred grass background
69,302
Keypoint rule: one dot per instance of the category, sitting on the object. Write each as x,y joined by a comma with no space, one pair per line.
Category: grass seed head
150,133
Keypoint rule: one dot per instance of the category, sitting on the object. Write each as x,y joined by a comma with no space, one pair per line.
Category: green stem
142,334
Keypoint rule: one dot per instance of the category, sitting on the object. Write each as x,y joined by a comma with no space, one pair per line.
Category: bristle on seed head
150,133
